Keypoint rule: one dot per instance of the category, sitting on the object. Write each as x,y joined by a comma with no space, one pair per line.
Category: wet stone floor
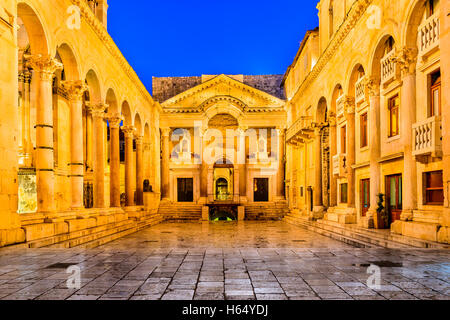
202,261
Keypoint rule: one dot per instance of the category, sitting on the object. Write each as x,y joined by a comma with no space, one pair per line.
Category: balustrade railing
429,34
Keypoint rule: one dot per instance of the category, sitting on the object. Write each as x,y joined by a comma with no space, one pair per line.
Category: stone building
368,114
88,155
222,146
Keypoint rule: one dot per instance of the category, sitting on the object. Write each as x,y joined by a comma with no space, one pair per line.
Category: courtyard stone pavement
217,261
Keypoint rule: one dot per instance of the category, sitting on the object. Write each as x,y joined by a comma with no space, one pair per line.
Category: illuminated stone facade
368,112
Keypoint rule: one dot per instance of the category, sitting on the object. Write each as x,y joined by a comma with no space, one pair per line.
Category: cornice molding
109,43
354,15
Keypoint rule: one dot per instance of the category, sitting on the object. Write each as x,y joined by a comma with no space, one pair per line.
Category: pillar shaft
350,117
98,114
374,145
75,90
114,183
45,68
165,164
281,163
129,192
333,152
139,171
317,198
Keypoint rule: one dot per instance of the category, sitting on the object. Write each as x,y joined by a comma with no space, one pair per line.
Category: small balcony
360,90
388,68
429,35
340,165
340,107
427,139
301,130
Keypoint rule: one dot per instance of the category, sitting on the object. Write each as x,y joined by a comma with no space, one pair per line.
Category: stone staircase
358,236
266,211
175,212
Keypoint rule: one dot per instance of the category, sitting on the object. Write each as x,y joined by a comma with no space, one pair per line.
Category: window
431,7
389,45
434,188
363,133
394,106
344,139
344,195
394,196
435,93
365,196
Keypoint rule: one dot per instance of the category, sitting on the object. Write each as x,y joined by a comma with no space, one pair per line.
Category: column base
317,213
407,215
342,215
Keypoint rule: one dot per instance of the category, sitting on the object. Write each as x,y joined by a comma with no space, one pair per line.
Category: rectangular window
364,139
365,196
344,190
434,188
344,139
435,93
394,109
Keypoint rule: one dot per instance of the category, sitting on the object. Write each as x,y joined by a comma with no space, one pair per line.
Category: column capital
406,59
98,110
139,139
114,119
75,89
129,131
165,132
349,105
332,118
372,84
44,65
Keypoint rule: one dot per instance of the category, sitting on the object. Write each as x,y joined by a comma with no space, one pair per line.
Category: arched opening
223,180
221,189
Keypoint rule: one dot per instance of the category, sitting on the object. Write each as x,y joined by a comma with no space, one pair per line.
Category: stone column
203,169
281,163
165,163
349,107
333,152
114,183
89,138
75,91
28,145
139,171
236,197
317,197
373,86
129,192
406,60
98,114
44,66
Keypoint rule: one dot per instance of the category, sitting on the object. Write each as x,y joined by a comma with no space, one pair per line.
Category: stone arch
357,72
94,88
69,61
321,111
223,105
138,124
336,93
413,18
378,54
111,101
35,29
126,113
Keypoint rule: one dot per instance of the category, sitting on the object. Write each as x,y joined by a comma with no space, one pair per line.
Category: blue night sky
193,37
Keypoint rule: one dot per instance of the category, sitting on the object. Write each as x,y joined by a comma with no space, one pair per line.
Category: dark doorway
261,190
185,189
365,196
222,189
394,197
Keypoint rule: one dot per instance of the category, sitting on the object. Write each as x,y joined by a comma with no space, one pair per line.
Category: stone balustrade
340,106
427,138
301,124
360,92
388,67
429,34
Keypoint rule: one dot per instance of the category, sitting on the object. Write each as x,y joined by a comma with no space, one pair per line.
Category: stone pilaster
98,114
75,91
406,60
333,151
27,144
165,163
349,107
139,171
281,163
317,191
373,87
44,66
114,184
129,132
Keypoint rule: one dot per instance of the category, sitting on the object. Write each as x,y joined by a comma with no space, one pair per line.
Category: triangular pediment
222,88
